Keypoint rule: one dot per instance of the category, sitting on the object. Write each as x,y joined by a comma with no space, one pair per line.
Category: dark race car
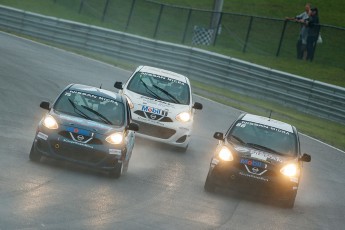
258,155
88,126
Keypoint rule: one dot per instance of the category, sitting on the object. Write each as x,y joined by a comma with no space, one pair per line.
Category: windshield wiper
167,93
150,91
78,111
257,146
237,139
103,118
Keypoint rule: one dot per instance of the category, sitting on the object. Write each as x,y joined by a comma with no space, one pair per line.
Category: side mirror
219,136
305,158
118,85
197,105
133,126
45,105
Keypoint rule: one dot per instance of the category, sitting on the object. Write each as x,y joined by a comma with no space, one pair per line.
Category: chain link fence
243,33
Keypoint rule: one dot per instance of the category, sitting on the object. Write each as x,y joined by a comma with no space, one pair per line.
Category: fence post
186,27
158,20
130,14
248,32
80,6
217,29
281,38
105,10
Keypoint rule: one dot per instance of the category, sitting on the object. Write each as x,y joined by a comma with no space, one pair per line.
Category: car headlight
225,154
184,116
130,103
290,170
50,122
115,138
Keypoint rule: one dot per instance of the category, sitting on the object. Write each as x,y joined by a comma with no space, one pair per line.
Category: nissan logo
255,170
153,116
80,137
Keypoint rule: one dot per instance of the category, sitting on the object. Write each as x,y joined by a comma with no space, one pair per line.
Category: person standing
302,38
313,32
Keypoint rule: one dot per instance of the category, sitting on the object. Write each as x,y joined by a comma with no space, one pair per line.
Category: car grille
93,141
155,131
153,116
267,174
78,153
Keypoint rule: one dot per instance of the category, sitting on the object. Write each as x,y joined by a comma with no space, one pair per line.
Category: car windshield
263,137
91,107
160,87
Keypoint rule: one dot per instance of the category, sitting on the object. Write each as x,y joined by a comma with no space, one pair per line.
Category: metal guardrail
306,95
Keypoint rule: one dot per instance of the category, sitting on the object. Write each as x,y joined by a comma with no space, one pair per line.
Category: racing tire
209,185
34,155
117,171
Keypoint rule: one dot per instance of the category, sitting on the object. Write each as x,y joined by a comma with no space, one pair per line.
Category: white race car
161,103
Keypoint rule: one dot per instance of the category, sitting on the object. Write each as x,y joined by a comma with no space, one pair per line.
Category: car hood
142,102
70,121
261,155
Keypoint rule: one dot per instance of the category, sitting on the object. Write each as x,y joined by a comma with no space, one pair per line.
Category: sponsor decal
77,143
154,101
162,77
243,124
253,176
115,152
260,157
153,110
264,156
241,149
68,94
253,163
42,136
157,102
78,131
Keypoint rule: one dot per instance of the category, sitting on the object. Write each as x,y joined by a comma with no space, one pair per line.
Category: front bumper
94,154
173,133
232,175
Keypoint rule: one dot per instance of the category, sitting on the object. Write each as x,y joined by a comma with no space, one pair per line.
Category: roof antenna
100,86
269,118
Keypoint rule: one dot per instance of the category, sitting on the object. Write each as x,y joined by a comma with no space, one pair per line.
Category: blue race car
89,126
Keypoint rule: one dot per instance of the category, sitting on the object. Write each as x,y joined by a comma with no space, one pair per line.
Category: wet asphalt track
163,189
